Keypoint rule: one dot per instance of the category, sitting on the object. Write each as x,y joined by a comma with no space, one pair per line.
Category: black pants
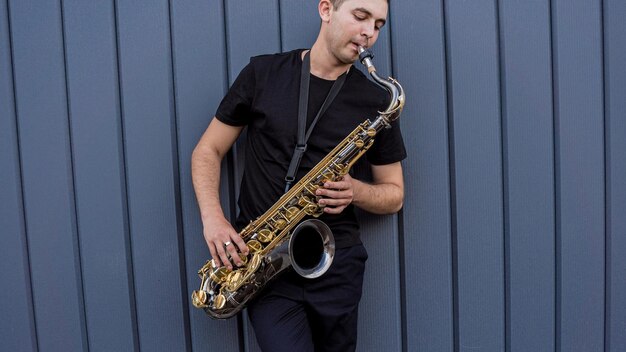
307,315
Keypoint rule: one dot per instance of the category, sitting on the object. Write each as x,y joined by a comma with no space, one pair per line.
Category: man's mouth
356,46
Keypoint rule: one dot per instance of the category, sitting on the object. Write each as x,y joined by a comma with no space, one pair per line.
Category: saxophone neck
393,87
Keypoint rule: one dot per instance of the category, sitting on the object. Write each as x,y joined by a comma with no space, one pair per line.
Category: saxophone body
279,238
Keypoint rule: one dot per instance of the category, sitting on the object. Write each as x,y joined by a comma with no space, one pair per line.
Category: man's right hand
205,171
224,241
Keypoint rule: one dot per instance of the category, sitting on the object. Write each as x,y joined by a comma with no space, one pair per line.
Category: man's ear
325,8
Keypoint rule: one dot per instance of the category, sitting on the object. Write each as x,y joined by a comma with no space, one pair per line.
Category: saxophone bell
311,248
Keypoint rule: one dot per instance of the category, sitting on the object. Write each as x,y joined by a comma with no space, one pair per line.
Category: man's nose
368,30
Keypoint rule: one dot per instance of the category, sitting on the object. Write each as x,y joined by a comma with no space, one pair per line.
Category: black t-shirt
264,97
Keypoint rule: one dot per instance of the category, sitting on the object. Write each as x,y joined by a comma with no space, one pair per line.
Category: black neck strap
303,103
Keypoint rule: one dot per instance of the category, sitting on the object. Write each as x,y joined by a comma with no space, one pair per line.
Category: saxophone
279,238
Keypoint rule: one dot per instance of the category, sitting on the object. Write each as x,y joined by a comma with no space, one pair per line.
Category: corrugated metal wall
513,233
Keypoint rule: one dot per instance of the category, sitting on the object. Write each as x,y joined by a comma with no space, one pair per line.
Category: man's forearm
205,172
384,198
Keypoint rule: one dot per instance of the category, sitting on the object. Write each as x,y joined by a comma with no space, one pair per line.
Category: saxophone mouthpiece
364,53
366,56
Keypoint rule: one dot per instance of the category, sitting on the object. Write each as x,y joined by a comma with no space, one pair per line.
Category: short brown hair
337,3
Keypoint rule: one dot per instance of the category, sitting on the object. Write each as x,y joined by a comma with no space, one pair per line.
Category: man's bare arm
384,195
205,171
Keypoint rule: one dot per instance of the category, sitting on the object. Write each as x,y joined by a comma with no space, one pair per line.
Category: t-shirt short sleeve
235,108
388,146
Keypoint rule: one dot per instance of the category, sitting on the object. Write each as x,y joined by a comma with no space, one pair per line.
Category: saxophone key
291,212
328,176
265,235
254,246
280,224
234,279
341,170
206,268
244,259
313,210
199,298
219,274
254,262
304,201
219,302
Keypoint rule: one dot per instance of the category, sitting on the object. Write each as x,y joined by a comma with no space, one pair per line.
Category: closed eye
361,14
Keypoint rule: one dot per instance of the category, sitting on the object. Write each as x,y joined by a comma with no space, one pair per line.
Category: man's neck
324,64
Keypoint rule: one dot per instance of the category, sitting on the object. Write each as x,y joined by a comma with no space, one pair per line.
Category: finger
337,185
344,194
214,255
334,210
239,242
234,256
334,202
223,256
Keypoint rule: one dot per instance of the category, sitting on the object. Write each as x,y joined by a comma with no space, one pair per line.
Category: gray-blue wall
513,232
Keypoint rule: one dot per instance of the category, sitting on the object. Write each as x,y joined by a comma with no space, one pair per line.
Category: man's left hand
337,195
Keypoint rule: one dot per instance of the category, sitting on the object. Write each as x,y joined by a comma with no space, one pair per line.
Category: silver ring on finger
227,243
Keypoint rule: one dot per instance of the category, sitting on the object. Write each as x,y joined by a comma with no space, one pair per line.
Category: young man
293,313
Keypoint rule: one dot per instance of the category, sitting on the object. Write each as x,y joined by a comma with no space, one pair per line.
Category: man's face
356,22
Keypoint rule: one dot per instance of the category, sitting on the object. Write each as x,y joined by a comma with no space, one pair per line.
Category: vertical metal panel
379,326
36,144
251,29
474,85
419,65
529,173
17,326
299,24
380,311
99,175
148,114
580,171
200,78
615,144
41,104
